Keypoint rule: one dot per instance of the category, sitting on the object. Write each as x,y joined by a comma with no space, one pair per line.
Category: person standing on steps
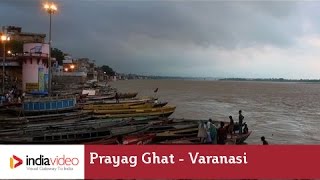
117,97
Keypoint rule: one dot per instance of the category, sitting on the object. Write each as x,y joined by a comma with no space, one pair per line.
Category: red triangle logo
19,161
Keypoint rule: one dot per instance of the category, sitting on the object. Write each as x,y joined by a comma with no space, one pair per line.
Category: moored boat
12,122
237,139
62,127
159,112
170,127
189,135
46,105
112,106
113,102
135,139
159,104
71,136
241,138
137,110
177,133
109,96
59,137
127,95
139,139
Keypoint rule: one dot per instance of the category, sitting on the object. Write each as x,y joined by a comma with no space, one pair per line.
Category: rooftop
14,30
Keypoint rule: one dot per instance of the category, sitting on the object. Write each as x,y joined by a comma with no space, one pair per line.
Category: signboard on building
46,80
41,78
32,87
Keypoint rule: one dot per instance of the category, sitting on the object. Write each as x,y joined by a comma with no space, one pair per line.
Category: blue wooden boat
47,105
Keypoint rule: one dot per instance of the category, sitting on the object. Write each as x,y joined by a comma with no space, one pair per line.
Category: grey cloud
162,36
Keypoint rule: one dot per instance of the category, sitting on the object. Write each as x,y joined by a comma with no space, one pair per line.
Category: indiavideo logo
15,161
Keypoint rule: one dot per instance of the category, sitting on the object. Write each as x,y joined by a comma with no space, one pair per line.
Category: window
56,137
40,138
94,134
71,136
49,138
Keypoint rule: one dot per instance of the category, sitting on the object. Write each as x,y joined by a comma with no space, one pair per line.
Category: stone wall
68,79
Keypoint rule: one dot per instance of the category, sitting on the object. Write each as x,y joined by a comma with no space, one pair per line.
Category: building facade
26,59
16,33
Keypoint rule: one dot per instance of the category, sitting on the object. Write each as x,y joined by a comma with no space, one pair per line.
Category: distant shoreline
273,80
233,79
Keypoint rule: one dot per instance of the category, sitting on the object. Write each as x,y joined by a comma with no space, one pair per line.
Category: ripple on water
286,113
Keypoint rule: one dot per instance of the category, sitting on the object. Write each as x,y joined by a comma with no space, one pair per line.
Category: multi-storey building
23,51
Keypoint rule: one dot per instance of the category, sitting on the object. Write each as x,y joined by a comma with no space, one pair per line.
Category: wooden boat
132,111
238,139
156,128
64,126
159,112
123,101
129,105
59,138
111,106
216,123
146,99
159,104
108,141
127,95
49,118
133,120
108,96
136,139
192,132
140,105
97,98
124,130
178,133
181,141
71,136
149,105
139,139
46,105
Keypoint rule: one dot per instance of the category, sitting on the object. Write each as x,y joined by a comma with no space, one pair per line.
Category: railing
51,98
70,74
49,104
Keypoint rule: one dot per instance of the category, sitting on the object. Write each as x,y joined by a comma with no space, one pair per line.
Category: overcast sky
183,38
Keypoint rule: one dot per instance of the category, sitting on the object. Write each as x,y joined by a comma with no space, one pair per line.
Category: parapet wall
69,79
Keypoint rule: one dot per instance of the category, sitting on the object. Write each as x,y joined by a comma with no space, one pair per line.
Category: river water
285,113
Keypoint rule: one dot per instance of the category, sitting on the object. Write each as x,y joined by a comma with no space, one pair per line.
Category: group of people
12,96
210,133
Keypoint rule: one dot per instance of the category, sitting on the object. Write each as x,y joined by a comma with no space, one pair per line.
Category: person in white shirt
202,132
